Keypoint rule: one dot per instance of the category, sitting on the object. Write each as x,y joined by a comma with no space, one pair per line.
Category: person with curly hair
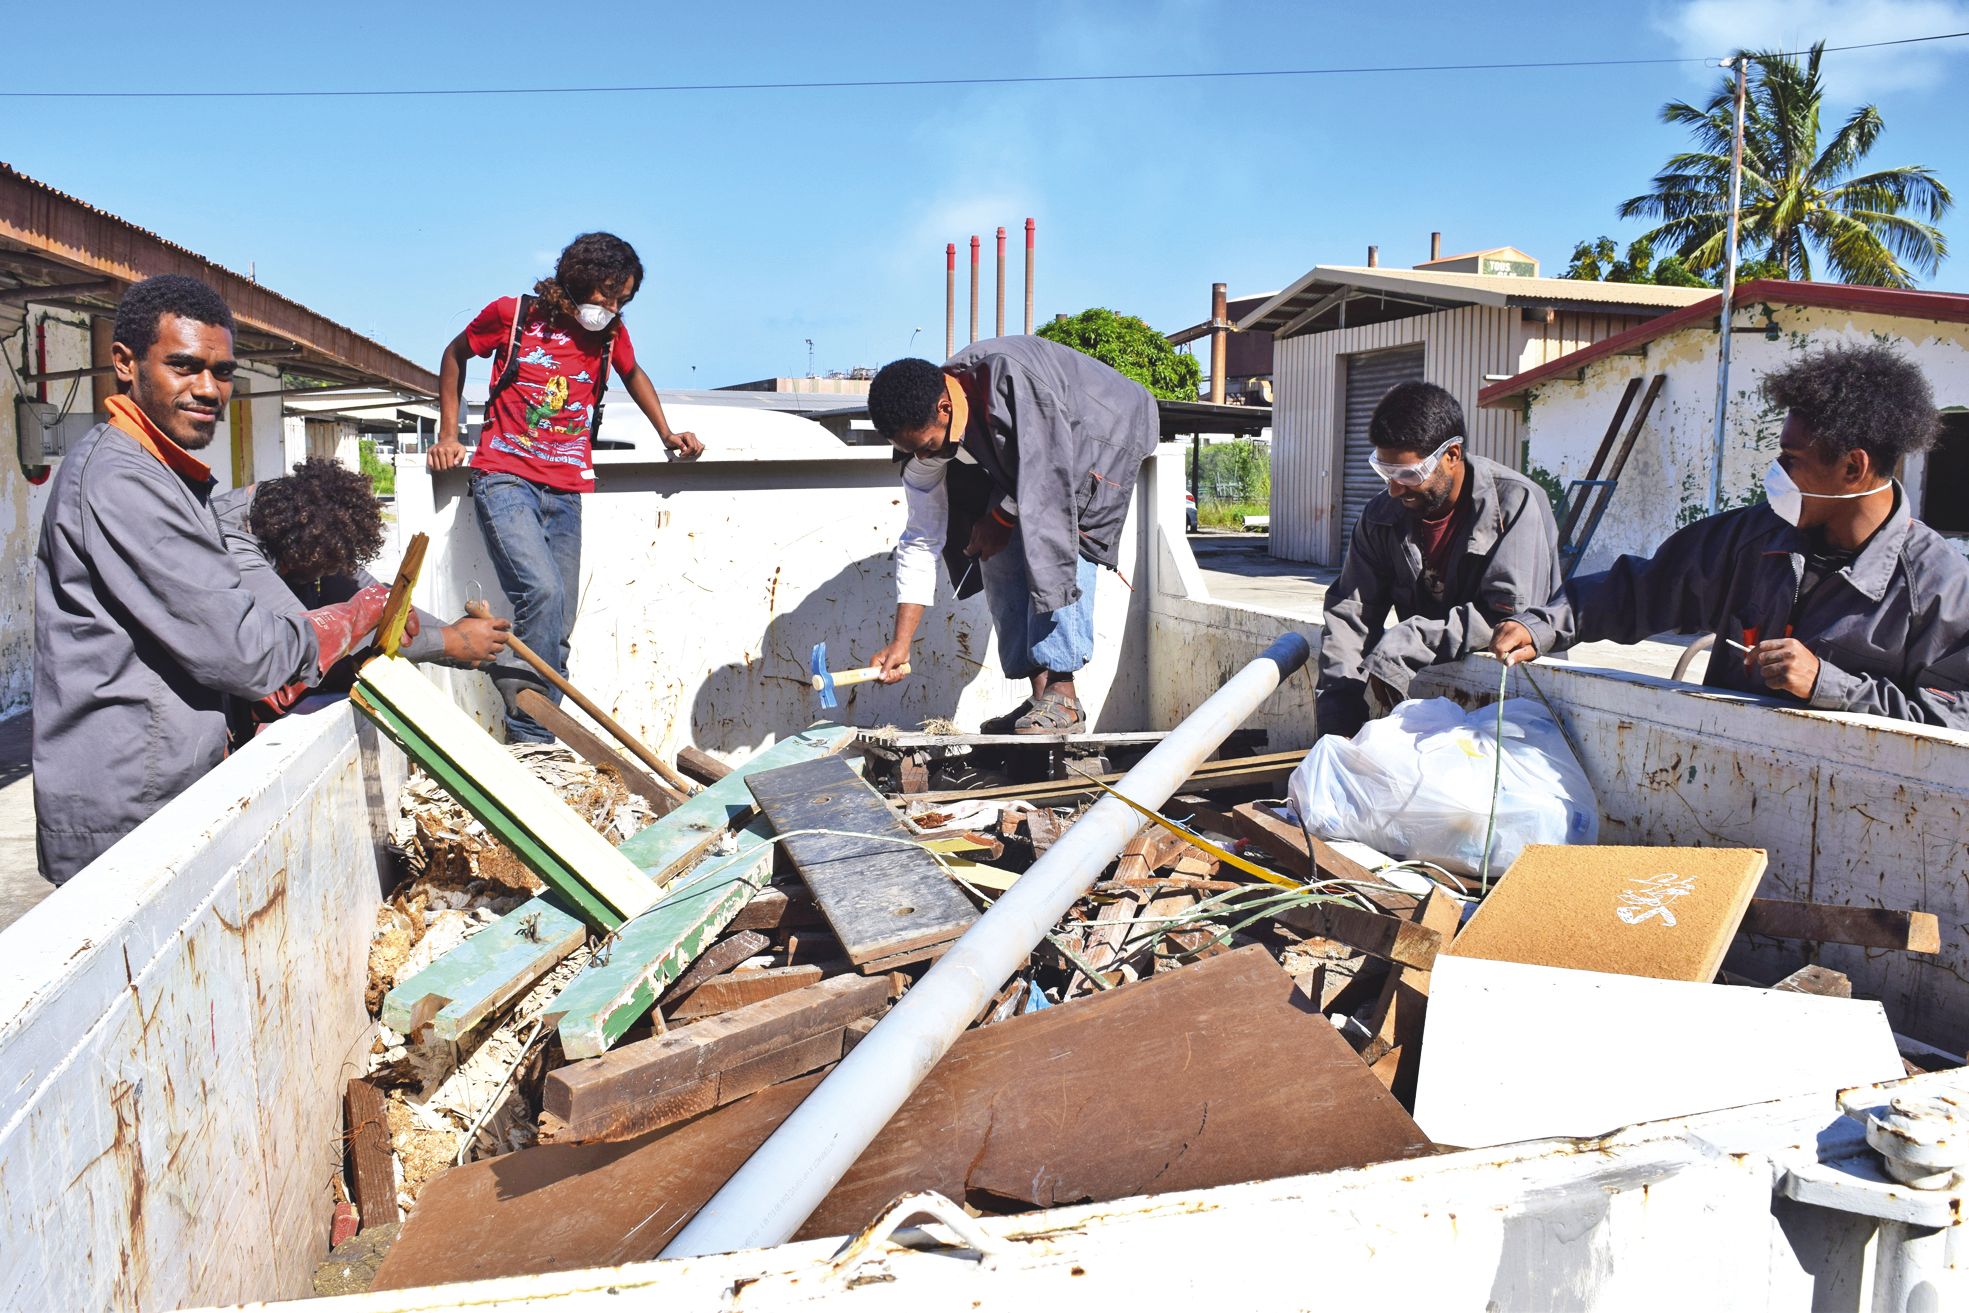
300,542
1828,593
551,354
148,647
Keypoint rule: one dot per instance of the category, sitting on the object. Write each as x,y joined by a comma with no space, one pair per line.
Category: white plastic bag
1416,784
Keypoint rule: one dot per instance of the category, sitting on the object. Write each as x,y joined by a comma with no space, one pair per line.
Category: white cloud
1717,27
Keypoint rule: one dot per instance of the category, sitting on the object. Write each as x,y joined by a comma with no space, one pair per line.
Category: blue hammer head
823,681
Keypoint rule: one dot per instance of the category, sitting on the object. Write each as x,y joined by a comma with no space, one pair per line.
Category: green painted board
460,785
487,971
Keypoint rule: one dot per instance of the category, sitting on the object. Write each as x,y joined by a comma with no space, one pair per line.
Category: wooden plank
883,895
396,607
1176,1083
484,973
1231,772
737,989
701,766
1517,1052
1400,1009
1669,913
1298,854
1819,980
591,747
717,960
372,1163
1378,934
514,802
650,1082
1825,923
778,908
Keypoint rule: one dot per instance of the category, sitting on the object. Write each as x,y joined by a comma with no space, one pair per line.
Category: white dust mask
594,318
1787,499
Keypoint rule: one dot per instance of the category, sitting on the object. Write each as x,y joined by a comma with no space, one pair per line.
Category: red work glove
337,630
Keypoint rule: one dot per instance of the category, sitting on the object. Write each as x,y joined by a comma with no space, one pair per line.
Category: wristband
999,516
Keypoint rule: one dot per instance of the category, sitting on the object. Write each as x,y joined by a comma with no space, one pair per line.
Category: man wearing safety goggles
1828,592
1456,544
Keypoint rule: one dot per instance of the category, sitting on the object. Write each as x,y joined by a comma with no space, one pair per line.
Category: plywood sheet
1669,913
1515,1052
1214,1074
887,899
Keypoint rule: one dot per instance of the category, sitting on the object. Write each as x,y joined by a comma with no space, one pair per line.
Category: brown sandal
1052,713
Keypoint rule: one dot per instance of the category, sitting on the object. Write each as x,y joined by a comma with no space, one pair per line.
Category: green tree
1597,261
1801,202
382,476
1125,343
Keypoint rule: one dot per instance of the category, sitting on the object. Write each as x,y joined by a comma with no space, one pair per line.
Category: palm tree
1797,198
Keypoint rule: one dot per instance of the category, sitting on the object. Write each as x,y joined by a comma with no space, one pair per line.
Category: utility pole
1726,307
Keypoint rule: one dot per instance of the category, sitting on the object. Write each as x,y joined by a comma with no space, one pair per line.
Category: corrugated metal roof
1427,290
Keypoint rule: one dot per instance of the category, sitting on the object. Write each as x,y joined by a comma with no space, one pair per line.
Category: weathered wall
1666,482
177,1024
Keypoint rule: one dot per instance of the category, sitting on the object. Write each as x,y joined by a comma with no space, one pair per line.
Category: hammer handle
848,677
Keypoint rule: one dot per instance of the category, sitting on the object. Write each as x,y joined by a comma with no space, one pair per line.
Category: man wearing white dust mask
1829,593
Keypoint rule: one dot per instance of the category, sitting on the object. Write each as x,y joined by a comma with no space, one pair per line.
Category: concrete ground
21,886
1238,569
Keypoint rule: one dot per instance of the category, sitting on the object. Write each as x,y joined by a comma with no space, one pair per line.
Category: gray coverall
1891,630
1507,559
143,638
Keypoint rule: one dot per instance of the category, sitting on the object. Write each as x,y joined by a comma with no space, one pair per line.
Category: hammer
825,681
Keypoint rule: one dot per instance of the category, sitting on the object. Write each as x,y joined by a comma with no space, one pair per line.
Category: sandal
1052,713
1003,724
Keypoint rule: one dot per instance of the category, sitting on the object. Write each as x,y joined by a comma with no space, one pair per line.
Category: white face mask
594,318
1787,499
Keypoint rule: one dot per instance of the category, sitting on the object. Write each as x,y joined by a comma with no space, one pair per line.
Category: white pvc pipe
780,1185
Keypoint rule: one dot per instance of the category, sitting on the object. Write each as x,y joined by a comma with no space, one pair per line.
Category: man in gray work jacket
1828,593
1019,458
1456,544
144,639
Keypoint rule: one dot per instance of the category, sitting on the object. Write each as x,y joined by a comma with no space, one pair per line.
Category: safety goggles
1411,476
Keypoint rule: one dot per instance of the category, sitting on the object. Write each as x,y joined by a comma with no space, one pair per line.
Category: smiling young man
147,647
1019,459
552,351
1456,544
1828,593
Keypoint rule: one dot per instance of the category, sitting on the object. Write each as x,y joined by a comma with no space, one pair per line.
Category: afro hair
902,397
319,522
1862,396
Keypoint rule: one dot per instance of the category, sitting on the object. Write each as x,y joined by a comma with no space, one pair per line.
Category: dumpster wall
176,1027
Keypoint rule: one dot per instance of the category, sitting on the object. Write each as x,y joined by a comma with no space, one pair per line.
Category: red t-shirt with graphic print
539,428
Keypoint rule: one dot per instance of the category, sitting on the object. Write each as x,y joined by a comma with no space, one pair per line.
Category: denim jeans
1030,641
534,536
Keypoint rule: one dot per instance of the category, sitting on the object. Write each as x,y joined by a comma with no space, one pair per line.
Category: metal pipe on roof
1220,336
1373,257
779,1187
975,243
998,323
1029,230
949,300
1435,246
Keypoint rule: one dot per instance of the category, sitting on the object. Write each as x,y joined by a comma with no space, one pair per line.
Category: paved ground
21,887
1237,568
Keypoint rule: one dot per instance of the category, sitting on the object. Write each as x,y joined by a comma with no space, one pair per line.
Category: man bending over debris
1019,458
299,543
1828,593
145,640
1455,544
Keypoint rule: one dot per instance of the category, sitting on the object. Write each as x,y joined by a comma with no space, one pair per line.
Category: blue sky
766,218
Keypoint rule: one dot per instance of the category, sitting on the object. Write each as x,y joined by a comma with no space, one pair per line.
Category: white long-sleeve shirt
926,498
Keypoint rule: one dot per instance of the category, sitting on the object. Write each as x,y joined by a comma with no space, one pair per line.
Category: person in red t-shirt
535,455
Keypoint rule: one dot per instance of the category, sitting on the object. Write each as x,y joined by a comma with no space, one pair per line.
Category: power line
679,88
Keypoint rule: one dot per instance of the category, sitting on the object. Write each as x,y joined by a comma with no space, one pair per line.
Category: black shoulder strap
601,380
509,366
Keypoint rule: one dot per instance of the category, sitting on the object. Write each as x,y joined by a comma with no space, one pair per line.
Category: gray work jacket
234,512
1505,559
143,634
1062,436
1891,630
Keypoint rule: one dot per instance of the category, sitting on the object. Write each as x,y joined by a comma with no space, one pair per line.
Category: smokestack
1435,246
998,323
974,286
1220,336
949,300
1373,256
1028,277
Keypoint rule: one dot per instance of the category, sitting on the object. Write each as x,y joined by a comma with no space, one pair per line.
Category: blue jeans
1030,641
534,536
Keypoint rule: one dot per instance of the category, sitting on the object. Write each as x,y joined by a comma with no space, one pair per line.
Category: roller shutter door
1368,379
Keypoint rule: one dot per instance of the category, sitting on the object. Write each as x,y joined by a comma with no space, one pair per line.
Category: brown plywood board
1669,913
1214,1074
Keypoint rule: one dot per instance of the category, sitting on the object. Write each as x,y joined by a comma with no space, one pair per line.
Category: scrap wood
469,983
736,989
1102,939
396,607
779,907
1399,1013
372,1164
1208,1076
653,1082
590,745
701,765
1394,939
721,957
1827,923
1823,981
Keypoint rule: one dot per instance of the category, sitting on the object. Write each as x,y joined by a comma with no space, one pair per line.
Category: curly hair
590,262
902,397
321,521
1417,417
1861,396
167,294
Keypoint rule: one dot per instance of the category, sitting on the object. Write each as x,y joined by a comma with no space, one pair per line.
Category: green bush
382,477
1129,346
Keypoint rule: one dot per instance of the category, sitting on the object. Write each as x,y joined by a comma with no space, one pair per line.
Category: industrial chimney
1373,256
1435,246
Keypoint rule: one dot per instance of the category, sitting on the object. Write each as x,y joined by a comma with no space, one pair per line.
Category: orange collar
126,415
960,407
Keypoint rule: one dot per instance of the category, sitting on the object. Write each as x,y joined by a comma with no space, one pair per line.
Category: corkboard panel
1669,913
